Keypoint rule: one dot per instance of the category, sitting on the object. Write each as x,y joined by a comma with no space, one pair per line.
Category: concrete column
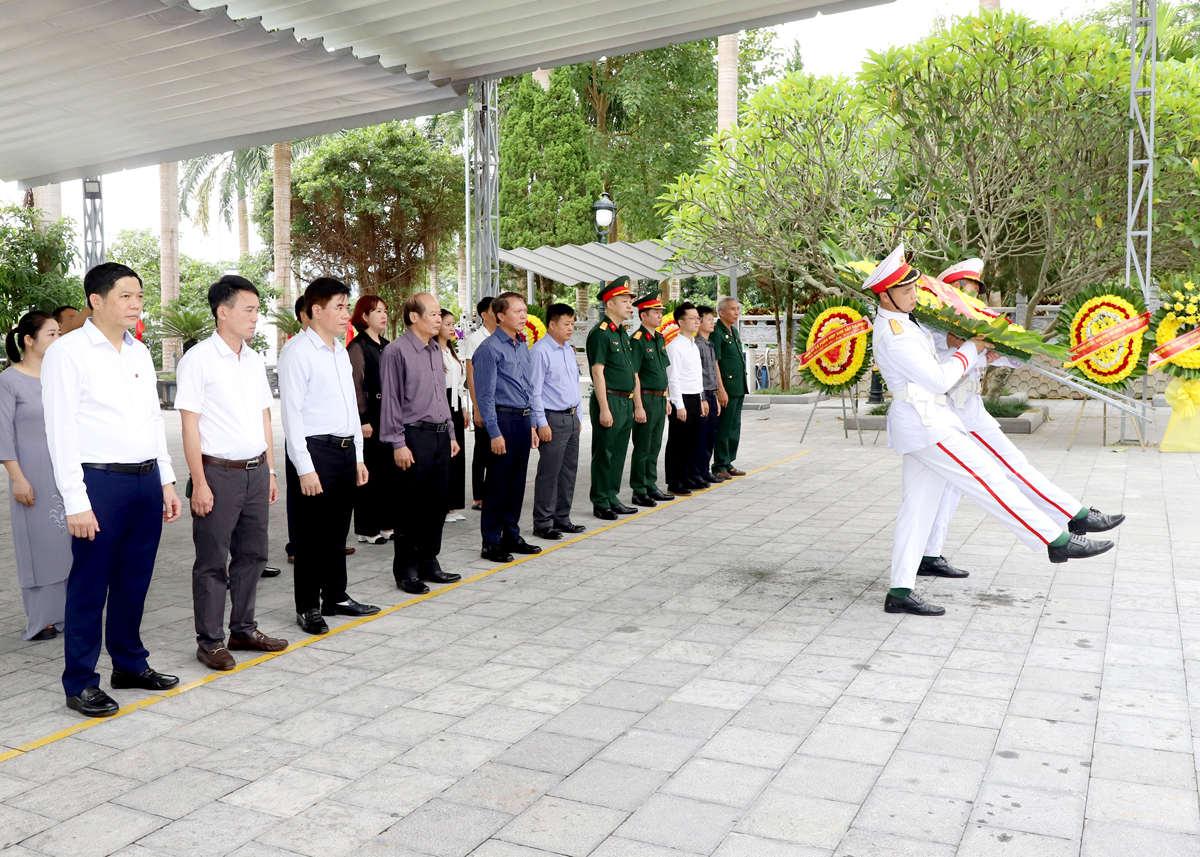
530,284
673,289
727,81
581,302
48,200
168,253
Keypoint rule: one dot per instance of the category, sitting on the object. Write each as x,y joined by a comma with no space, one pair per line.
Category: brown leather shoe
291,560
216,658
258,641
723,475
733,471
350,551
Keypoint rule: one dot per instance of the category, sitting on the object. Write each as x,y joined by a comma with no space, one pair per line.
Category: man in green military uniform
614,384
650,402
731,369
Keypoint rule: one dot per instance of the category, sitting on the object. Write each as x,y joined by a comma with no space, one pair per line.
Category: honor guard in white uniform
934,444
966,400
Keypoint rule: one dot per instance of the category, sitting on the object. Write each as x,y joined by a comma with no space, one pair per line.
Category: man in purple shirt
415,420
557,415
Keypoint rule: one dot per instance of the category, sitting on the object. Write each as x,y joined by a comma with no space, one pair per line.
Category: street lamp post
605,211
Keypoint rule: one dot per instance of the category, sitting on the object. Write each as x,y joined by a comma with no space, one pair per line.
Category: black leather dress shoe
712,480
412,585
914,604
495,553
349,607
568,527
549,533
147,679
621,509
661,496
697,484
93,702
272,571
605,514
521,546
1095,522
48,633
644,500
680,491
940,567
1078,548
310,622
436,575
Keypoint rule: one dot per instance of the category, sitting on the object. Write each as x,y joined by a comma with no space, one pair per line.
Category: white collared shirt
472,342
685,373
101,407
229,391
316,396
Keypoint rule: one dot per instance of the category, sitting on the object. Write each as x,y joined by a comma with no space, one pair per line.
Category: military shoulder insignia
637,335
897,327
604,325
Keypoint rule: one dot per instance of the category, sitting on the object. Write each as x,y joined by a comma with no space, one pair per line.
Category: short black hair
57,314
300,307
101,279
705,309
224,291
555,311
500,302
681,310
321,291
484,305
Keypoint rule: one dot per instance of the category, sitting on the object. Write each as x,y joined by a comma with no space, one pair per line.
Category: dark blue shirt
502,377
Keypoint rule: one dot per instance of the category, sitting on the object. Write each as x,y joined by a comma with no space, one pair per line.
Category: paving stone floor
716,677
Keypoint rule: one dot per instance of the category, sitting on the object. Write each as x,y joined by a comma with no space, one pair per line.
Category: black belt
140,468
520,412
619,394
332,440
424,425
234,464
568,411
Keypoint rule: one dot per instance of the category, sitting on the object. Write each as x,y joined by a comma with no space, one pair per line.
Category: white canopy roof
95,86
573,264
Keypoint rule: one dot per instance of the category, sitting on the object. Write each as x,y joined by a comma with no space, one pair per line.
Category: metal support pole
469,320
486,172
1139,228
93,222
529,281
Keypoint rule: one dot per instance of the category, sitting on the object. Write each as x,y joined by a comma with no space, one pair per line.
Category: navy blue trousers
706,438
504,486
115,567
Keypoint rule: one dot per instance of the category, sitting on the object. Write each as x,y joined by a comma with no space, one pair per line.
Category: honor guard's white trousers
958,461
1054,502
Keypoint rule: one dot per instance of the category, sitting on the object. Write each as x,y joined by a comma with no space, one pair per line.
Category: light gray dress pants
558,462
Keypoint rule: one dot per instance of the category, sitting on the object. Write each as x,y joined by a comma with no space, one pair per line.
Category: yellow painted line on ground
354,623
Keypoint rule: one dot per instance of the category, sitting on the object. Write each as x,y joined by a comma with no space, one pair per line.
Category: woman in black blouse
373,502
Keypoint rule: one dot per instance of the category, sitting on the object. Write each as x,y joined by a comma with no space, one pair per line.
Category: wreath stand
842,400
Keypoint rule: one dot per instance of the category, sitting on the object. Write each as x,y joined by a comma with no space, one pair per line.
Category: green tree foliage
1012,143
548,173
371,207
1178,26
650,114
35,263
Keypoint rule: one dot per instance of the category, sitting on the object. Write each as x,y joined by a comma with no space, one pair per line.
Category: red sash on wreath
1117,333
829,340
1174,348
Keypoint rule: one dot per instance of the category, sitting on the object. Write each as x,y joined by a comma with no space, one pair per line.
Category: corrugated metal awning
95,86
573,264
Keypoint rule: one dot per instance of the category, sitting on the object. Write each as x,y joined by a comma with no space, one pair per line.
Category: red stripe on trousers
1032,487
993,493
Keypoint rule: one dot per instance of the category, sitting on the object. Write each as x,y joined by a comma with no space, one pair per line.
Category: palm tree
281,164
168,254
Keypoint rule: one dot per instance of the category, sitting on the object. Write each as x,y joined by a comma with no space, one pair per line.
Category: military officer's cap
648,301
892,271
972,269
619,286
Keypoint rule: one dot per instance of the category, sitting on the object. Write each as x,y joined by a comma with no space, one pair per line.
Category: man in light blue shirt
557,416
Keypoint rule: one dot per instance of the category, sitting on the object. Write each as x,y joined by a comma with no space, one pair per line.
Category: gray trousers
237,526
558,462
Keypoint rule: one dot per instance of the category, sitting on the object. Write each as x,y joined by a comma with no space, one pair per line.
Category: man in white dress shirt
934,444
108,446
685,381
224,401
324,455
481,455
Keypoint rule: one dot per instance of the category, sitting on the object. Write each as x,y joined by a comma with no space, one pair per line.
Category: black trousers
289,506
115,567
457,497
374,509
231,552
681,441
420,503
505,487
322,524
481,458
706,437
